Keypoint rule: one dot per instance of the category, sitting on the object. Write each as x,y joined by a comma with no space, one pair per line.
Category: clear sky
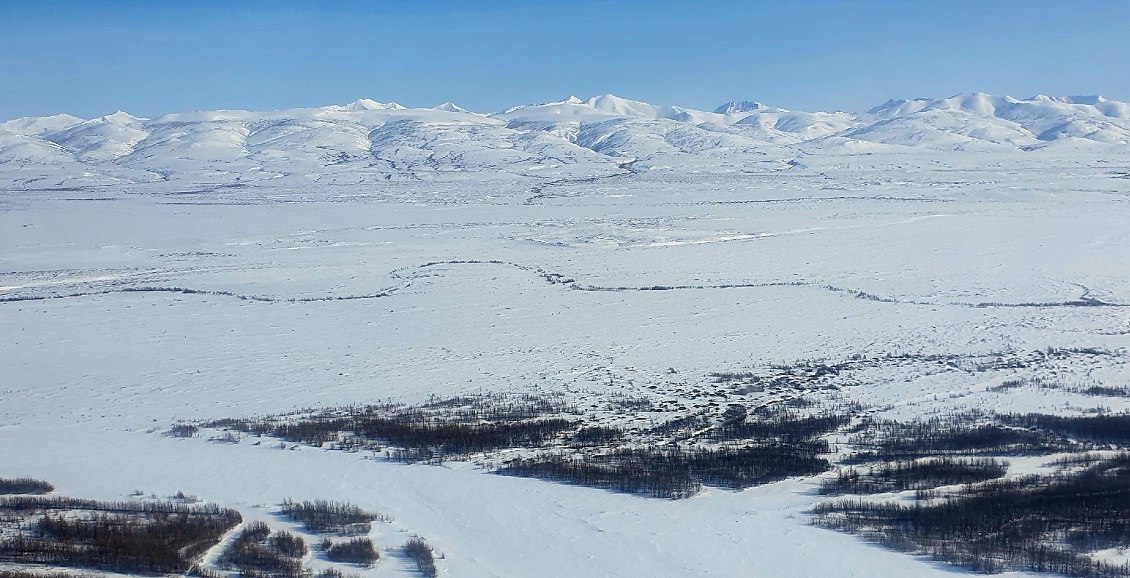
150,57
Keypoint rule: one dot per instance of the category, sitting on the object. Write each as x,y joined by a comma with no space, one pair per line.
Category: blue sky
149,57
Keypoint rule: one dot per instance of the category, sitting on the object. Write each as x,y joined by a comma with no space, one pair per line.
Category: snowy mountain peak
603,106
899,106
977,103
121,117
362,104
450,107
612,104
1092,99
38,125
735,107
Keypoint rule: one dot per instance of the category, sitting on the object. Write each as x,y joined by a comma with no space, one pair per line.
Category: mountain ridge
367,140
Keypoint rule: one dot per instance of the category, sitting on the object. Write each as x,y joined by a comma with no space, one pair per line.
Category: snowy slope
102,139
995,119
38,125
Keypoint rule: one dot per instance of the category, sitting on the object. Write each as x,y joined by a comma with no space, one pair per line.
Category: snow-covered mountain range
368,141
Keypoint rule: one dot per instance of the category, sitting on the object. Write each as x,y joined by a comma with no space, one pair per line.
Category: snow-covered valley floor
126,310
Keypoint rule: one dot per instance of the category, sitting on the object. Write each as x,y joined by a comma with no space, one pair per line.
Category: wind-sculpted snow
368,141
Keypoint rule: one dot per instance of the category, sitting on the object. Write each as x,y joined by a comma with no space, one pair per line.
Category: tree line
1043,524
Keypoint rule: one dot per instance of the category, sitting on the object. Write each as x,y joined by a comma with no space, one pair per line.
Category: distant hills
369,141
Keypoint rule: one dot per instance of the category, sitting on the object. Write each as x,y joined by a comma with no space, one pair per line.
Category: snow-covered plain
350,254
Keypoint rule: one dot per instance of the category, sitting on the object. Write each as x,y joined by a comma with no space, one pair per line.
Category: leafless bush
182,430
326,516
24,486
419,551
358,551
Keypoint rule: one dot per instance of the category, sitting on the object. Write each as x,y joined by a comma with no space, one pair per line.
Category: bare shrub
420,552
358,551
182,430
255,552
326,516
24,486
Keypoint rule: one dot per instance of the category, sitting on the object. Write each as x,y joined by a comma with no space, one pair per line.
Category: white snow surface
973,225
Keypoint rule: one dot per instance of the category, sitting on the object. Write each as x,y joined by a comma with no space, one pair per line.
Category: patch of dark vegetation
804,374
439,429
507,408
1083,459
914,475
676,473
969,433
428,441
123,537
182,430
1017,384
1081,302
777,422
421,553
1109,429
1103,391
287,544
325,516
744,447
41,504
597,435
1048,524
334,573
359,551
724,376
199,571
682,427
24,486
630,403
742,467
1091,389
651,472
1028,481
801,402
38,574
257,553
814,374
1064,352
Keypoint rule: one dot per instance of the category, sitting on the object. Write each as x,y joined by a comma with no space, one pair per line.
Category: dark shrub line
438,429
674,472
24,486
421,553
914,475
158,538
1113,428
327,516
359,551
1047,524
49,503
256,551
969,433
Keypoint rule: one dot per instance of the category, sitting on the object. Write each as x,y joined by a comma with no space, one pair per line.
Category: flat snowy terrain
234,264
